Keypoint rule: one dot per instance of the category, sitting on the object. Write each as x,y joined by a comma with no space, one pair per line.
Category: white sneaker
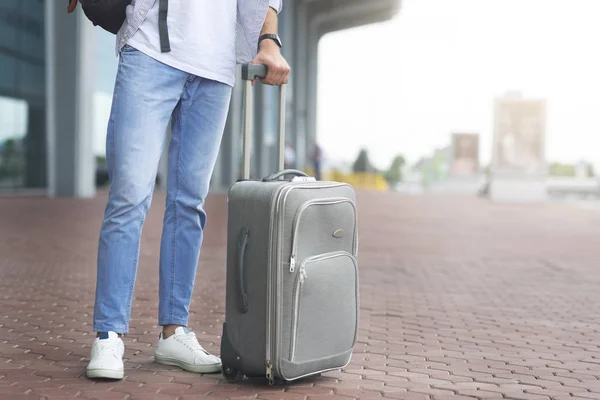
183,350
107,357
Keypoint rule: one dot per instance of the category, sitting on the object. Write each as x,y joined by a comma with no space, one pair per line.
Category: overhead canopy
333,15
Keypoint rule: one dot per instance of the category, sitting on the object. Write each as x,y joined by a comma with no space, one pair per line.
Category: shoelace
192,342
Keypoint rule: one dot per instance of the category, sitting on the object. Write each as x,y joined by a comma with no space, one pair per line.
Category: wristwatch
272,36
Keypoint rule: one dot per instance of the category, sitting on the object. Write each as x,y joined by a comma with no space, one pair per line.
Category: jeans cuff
172,321
121,330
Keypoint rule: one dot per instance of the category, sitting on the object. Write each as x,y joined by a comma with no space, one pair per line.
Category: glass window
13,129
22,95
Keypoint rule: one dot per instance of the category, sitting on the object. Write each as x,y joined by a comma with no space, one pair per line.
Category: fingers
278,70
283,72
278,74
271,74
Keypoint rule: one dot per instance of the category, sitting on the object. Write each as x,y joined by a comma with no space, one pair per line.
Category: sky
403,86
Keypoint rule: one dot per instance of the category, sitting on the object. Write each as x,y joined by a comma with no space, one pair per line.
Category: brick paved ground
461,299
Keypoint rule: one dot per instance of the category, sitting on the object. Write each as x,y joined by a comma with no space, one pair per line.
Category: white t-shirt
202,35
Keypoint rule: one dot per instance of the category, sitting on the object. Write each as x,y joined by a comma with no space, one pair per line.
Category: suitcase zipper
272,364
297,290
296,224
270,373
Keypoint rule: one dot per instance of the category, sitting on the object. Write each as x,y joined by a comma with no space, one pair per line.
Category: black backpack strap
163,30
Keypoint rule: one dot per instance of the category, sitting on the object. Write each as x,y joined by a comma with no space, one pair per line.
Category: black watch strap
272,36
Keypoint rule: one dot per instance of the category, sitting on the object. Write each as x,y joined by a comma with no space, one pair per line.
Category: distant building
464,158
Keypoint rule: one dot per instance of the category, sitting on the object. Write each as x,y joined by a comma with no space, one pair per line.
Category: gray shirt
250,19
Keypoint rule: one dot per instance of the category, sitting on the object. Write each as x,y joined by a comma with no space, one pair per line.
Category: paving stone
285,396
6,391
310,390
24,396
525,396
460,299
102,394
408,396
480,394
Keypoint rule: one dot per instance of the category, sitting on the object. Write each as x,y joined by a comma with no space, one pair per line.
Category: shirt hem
200,72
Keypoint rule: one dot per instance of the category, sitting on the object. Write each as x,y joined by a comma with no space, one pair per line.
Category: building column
311,93
266,107
301,78
227,169
70,51
287,29
36,160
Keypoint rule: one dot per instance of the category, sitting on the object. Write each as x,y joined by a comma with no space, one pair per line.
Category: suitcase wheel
229,373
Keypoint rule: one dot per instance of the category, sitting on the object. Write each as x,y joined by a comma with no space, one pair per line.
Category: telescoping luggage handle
249,73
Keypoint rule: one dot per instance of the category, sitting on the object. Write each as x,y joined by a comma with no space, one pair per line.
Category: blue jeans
147,94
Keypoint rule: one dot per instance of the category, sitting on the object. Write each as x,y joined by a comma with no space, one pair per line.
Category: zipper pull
292,263
270,373
302,275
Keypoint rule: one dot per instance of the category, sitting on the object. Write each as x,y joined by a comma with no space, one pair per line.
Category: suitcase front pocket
323,226
325,307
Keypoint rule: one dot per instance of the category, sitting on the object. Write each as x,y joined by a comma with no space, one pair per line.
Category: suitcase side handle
243,295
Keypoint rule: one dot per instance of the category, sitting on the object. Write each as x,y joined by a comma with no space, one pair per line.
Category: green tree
11,165
101,161
394,174
362,163
558,169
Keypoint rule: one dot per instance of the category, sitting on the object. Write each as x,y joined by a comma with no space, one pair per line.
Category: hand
278,68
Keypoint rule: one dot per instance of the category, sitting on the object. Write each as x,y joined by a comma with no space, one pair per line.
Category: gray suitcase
292,298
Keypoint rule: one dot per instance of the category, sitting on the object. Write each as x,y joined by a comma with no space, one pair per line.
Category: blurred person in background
187,76
317,160
289,156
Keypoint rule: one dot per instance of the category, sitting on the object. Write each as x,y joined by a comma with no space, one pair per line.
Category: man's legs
198,124
146,92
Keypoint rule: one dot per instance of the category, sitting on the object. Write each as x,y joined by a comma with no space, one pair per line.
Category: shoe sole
202,369
104,373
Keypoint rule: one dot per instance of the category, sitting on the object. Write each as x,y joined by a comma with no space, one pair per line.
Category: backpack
111,14
108,14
